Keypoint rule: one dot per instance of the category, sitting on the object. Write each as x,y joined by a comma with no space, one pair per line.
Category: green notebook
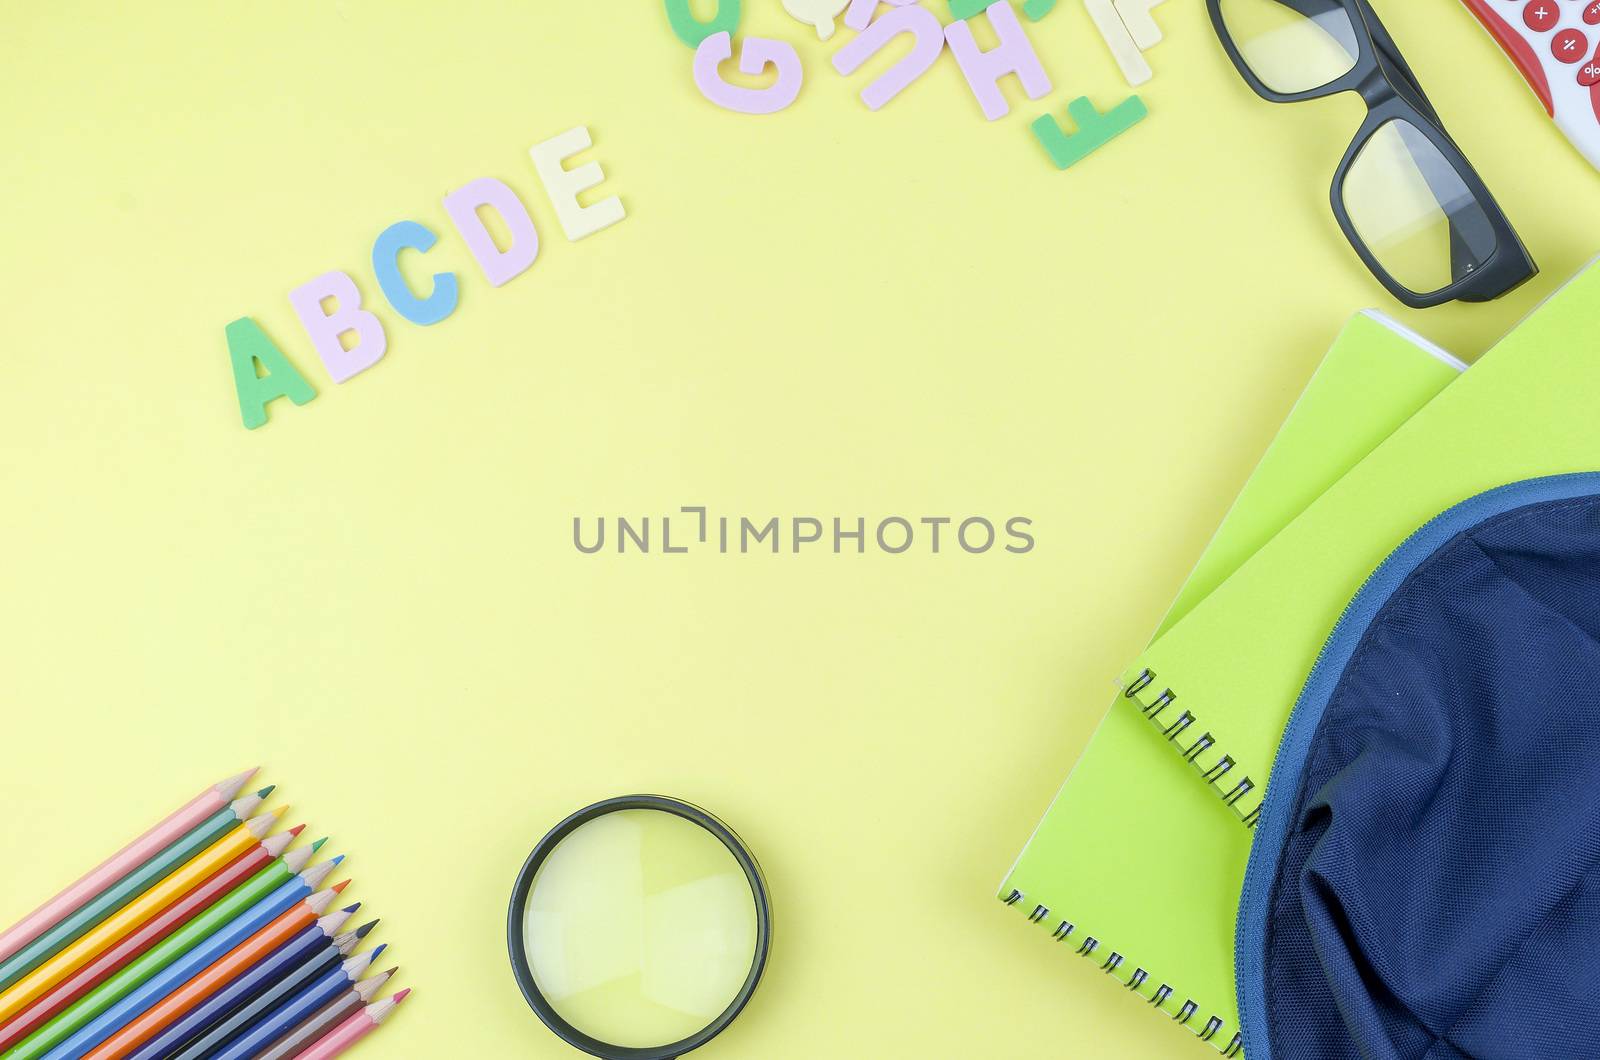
1234,665
1236,662
1370,382
1157,935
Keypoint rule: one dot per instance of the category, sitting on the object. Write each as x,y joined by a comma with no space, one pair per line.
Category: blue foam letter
409,235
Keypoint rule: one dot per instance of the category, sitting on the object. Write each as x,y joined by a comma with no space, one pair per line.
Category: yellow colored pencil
109,932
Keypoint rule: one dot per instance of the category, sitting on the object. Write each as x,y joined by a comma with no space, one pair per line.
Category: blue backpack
1424,883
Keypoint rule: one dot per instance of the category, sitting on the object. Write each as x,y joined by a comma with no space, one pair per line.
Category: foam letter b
326,328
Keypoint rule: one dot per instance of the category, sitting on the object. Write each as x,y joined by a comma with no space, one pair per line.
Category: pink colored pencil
358,1026
124,861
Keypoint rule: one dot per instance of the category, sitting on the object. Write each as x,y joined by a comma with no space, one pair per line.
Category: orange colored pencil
223,971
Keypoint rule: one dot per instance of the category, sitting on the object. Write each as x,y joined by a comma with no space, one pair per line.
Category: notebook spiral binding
1138,981
1240,794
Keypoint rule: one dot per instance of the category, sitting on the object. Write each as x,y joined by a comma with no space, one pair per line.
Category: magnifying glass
639,928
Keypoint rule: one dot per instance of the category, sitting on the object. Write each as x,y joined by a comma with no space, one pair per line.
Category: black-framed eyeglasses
1407,198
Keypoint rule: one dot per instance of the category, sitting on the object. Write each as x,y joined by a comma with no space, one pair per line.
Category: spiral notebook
1235,663
1152,933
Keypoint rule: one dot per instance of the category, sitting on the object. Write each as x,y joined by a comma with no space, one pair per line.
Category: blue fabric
1425,880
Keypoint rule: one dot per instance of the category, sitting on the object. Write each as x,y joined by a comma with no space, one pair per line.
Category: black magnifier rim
524,886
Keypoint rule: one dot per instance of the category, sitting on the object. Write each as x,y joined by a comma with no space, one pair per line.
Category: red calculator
1556,46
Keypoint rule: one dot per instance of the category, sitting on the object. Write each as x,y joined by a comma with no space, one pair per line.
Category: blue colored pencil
311,949
293,1012
198,959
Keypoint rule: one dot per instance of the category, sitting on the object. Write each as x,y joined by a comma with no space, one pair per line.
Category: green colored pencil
174,946
128,888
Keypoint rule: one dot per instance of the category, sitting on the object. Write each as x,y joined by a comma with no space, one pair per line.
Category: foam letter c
409,235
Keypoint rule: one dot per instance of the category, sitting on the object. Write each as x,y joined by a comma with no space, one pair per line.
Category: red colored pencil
150,934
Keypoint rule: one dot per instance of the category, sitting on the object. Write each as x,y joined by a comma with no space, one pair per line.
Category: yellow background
822,312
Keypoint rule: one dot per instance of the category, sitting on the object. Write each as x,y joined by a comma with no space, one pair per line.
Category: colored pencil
155,931
180,821
325,1019
352,1030
210,861
246,907
141,879
257,900
286,1017
215,976
158,985
308,955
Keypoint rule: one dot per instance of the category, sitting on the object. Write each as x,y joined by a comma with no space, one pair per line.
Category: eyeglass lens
1412,210
1293,45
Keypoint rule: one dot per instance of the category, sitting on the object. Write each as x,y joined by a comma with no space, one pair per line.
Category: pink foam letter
325,328
861,11
498,265
917,21
754,54
984,69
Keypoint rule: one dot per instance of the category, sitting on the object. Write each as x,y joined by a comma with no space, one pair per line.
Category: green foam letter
1095,130
692,31
248,348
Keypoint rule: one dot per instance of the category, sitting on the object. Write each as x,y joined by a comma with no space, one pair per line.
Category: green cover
1112,855
1371,381
1240,657
1526,410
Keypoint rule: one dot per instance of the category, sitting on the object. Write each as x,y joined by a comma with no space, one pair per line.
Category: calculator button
1591,14
1589,74
1569,46
1541,15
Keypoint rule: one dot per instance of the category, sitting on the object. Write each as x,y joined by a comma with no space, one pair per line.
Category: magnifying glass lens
640,928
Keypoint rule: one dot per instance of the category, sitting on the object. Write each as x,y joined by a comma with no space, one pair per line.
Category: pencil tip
318,844
337,859
340,886
233,785
366,929
350,908
380,948
268,790
401,996
296,830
